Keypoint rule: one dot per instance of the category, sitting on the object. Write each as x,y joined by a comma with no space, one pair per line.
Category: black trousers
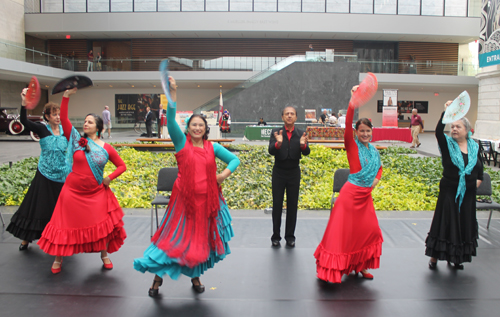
288,180
158,121
149,129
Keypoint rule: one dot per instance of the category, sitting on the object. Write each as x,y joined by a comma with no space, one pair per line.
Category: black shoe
200,288
290,244
23,247
457,266
432,265
153,292
275,243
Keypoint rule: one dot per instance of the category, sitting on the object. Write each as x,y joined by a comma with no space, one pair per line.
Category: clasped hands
279,138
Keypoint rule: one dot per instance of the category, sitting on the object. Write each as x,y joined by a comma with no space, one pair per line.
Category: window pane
455,8
432,7
144,5
385,6
313,5
169,5
217,5
361,6
52,6
193,5
265,5
121,5
289,5
240,5
409,7
98,5
337,6
75,6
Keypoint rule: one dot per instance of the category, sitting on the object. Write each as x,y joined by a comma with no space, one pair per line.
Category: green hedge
408,183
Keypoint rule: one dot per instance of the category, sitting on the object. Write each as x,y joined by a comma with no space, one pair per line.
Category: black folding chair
165,183
485,190
339,179
487,153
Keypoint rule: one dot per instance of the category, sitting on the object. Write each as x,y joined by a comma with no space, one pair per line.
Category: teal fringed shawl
370,164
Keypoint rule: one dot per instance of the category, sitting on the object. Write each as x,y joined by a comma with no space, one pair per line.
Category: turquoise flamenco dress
196,228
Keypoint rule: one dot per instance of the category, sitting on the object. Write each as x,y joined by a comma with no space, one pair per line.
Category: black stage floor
256,280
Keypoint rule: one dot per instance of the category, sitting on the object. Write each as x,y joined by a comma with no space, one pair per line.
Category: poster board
390,108
310,115
132,107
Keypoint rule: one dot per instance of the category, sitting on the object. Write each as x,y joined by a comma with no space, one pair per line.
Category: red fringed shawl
190,230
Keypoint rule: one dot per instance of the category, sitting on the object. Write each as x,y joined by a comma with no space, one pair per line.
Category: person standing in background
106,118
90,61
416,125
98,65
149,121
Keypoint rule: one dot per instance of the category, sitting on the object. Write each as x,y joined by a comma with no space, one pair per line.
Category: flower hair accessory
83,142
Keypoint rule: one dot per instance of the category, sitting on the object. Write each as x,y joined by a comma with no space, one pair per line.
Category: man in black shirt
286,144
149,121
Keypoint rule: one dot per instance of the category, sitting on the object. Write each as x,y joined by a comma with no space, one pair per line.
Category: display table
392,134
258,132
325,133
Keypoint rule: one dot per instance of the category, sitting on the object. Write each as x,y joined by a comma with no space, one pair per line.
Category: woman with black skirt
38,205
454,230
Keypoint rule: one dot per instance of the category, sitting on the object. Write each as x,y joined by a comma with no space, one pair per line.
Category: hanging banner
489,36
390,108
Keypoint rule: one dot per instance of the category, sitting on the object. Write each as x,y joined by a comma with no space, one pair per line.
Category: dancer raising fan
87,217
353,239
196,228
454,230
38,204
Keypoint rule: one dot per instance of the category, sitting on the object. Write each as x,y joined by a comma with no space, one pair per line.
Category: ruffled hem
157,262
108,235
444,250
331,267
27,229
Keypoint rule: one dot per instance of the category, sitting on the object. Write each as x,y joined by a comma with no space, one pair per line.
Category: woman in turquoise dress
196,228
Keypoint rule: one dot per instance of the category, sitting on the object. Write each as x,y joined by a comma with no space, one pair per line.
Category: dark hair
207,129
99,124
364,121
49,108
283,111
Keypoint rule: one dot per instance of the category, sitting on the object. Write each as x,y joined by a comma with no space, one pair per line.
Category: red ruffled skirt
87,218
352,239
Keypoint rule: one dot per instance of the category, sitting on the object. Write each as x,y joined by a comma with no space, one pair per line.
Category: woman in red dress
353,239
87,217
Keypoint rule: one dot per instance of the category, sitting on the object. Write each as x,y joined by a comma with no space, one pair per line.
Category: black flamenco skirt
453,234
36,209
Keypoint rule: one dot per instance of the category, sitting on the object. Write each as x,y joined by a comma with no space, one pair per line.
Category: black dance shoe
290,244
153,292
23,247
275,243
432,265
198,287
457,266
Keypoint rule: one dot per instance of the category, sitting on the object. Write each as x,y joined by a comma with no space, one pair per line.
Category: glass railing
266,65
453,8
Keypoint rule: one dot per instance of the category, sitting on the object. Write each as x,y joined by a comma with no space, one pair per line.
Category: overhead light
154,86
220,86
47,86
132,86
111,86
198,86
436,94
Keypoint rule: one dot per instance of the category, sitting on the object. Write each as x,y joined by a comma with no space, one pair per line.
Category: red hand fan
365,91
33,94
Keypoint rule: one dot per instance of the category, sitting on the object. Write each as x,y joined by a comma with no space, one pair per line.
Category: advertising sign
489,36
390,108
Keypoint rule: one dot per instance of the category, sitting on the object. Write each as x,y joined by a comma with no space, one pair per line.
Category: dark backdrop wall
304,85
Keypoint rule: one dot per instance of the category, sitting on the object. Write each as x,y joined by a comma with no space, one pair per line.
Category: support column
488,109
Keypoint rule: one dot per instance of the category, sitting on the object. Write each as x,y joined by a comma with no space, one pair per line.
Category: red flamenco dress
87,217
352,240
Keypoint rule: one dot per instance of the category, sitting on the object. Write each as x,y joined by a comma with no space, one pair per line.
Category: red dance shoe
58,270
108,266
367,275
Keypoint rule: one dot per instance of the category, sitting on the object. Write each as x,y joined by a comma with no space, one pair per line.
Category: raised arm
350,145
36,127
441,138
175,132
